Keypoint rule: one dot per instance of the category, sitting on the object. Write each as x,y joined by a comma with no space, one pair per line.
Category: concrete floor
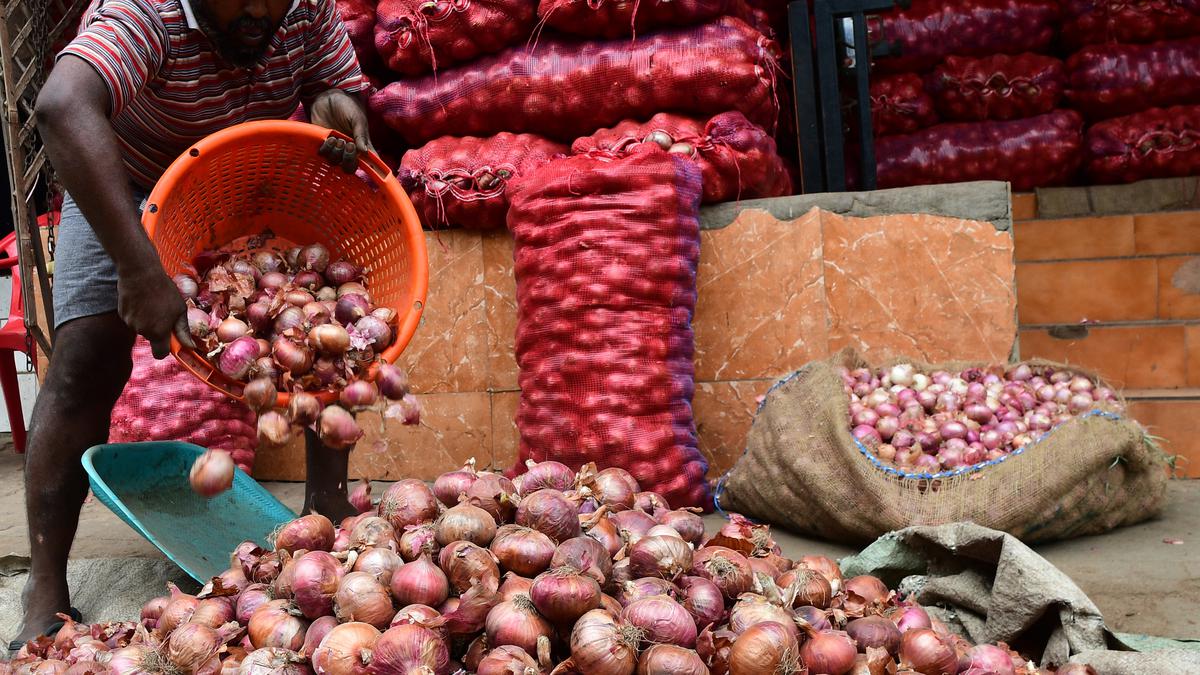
1142,583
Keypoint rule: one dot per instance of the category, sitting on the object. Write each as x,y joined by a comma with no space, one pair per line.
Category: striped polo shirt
170,87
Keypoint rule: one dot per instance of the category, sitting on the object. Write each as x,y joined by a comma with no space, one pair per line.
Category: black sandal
50,632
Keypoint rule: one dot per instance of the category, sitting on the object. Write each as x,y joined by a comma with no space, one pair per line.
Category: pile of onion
942,421
498,576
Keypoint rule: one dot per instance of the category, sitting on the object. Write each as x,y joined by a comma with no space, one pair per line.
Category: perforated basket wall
270,175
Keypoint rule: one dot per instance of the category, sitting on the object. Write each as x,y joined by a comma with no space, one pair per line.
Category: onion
277,624
199,323
187,285
380,562
703,600
231,329
563,595
314,257
600,527
303,408
298,297
495,494
507,660
990,659
136,659
238,357
862,592
274,429
375,331
927,652
359,395
416,541
272,661
329,338
909,617
514,585
420,615
212,473
289,318
689,525
874,631
603,645
657,556
350,308
313,532
635,524
266,367
521,550
290,356
315,314
541,475
670,660
408,502
153,609
661,620
353,288
420,582
410,648
346,650
549,512
465,564
192,646
338,428
726,568
360,496
615,487
645,587
341,272
768,647
360,597
516,622
260,394
811,588
248,601
465,522
828,653
751,609
817,619
393,384
315,580
586,555
213,612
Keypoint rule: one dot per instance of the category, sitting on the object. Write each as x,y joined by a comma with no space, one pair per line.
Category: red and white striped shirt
170,87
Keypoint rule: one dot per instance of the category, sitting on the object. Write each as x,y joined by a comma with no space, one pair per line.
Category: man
143,81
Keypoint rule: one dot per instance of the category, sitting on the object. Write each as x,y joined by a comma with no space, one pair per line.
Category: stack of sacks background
1020,90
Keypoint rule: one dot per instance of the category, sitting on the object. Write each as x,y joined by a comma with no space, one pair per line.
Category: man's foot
41,611
334,507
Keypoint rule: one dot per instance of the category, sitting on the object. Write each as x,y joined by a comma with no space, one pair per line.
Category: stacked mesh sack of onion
555,572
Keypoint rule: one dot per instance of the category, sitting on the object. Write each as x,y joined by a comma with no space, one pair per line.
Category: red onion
465,522
342,271
213,612
495,494
615,487
338,428
810,587
266,367
662,620
346,650
522,550
874,631
563,595
238,357
274,429
656,556
817,619
212,473
726,568
514,585
289,318
586,555
867,435
751,609
465,564
689,525
314,257
409,648
420,582
549,512
313,532
635,523
828,653
374,331
516,622
298,297
231,329
926,652
290,356
192,647
645,587
360,597
416,541
393,384
703,600
248,601
154,609
360,496
990,659
380,562
507,660
600,527
350,308
768,647
540,475
303,408
603,645
187,285
863,591
359,395
260,394
199,323
329,338
272,661
909,617
277,624
408,502
420,615
315,580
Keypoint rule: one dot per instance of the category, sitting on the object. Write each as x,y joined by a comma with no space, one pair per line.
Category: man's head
241,29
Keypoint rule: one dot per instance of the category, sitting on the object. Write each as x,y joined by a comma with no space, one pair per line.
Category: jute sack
803,471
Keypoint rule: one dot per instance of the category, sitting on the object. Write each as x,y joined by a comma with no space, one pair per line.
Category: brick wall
1120,295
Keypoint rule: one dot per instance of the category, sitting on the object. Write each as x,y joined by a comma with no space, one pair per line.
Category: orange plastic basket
270,175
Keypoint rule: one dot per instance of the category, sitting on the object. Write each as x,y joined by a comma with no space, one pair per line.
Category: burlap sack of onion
290,319
554,572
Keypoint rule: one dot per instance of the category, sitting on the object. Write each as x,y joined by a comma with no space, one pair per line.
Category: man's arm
72,116
337,110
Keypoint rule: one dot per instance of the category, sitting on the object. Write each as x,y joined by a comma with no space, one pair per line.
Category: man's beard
228,45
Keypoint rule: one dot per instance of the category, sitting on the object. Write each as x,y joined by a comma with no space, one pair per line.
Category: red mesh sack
563,90
359,18
737,159
1113,80
1157,143
900,104
465,181
605,263
1088,22
997,87
1030,153
931,30
414,37
617,18
164,402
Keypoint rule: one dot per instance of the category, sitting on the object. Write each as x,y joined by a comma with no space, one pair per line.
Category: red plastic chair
13,339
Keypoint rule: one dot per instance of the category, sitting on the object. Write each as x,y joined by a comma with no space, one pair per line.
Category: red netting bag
610,19
1088,22
414,37
900,104
997,87
737,159
359,18
1157,143
931,30
164,402
563,90
1112,80
1030,153
605,263
465,181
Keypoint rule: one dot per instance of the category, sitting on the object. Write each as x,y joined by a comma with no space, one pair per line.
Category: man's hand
337,110
151,305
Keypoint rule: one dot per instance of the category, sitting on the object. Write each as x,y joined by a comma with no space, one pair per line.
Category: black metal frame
816,77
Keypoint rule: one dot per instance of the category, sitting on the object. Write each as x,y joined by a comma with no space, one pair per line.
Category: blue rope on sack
892,471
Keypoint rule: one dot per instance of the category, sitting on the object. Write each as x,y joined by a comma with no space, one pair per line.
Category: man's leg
325,480
88,370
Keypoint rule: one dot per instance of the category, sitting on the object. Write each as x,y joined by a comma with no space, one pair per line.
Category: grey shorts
85,278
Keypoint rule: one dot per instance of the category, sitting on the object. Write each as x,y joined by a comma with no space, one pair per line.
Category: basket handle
368,160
